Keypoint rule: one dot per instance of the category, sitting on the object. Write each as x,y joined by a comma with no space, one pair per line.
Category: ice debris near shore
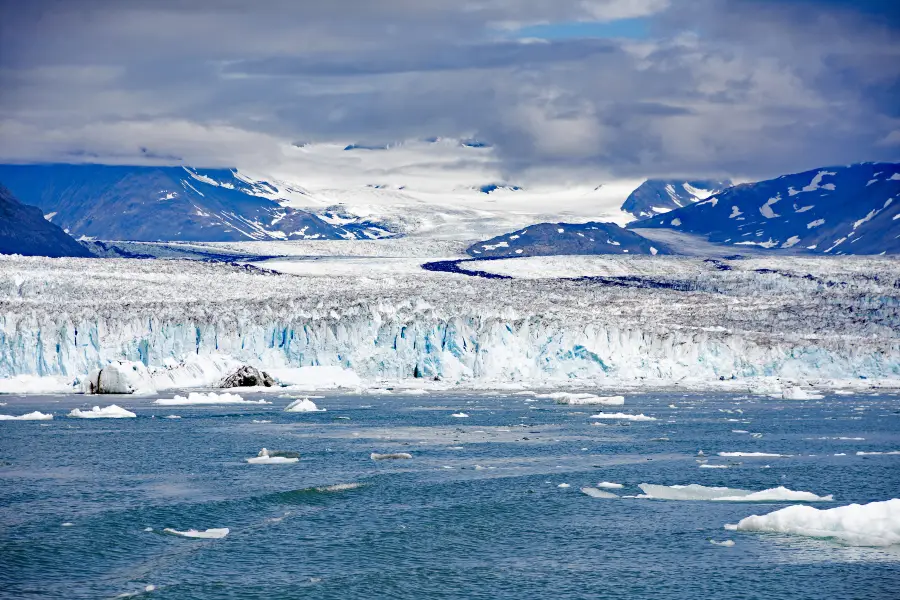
32,416
798,393
209,534
264,458
113,411
32,384
574,398
873,524
199,398
723,494
303,405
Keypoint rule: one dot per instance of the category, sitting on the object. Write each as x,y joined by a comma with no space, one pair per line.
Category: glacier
651,320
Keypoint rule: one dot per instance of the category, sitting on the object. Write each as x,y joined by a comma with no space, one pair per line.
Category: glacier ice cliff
656,319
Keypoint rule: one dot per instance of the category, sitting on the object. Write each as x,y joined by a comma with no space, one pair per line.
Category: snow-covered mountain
659,196
546,239
836,210
173,203
24,230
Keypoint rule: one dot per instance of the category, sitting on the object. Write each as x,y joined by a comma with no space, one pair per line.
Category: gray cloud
744,88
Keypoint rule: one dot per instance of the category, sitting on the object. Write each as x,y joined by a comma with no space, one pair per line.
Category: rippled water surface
476,513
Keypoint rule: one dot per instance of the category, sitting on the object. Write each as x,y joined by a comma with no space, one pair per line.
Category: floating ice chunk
459,415
392,456
208,398
873,524
623,416
173,416
68,524
211,534
726,543
563,485
752,454
583,398
260,421
595,493
705,466
119,377
148,529
303,405
877,453
32,416
739,431
724,494
798,393
33,384
610,485
263,458
339,487
107,412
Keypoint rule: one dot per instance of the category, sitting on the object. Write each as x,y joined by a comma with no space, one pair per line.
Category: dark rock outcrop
247,376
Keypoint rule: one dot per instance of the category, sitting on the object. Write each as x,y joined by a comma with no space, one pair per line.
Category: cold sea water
477,512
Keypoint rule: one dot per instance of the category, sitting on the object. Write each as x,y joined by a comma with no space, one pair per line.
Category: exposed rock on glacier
247,376
648,320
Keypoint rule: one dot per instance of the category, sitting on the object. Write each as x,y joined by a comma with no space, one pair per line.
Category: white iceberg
623,416
595,493
263,458
574,398
873,524
119,377
391,456
610,485
459,415
211,534
723,494
877,453
706,466
112,411
798,393
752,454
32,416
208,398
303,405
726,543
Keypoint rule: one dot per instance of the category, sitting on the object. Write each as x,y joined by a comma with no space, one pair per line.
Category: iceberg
723,494
112,411
303,405
208,398
610,485
392,456
623,416
595,493
264,458
459,415
874,524
725,543
119,377
583,399
798,393
210,534
32,416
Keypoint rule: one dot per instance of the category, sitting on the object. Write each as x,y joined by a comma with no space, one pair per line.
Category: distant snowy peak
658,196
548,239
835,210
174,203
25,230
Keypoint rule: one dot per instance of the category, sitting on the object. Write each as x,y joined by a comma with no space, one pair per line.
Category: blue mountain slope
658,196
168,203
835,210
24,230
547,239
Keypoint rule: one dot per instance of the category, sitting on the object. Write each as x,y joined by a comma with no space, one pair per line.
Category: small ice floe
260,421
874,524
147,589
275,458
173,416
739,431
208,398
723,494
563,485
841,454
583,398
610,485
456,448
148,529
706,466
459,415
595,493
753,454
303,405
726,543
756,435
68,524
672,406
32,416
798,393
877,453
623,416
391,456
209,534
339,487
107,412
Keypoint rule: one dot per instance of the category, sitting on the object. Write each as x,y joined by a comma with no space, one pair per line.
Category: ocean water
476,513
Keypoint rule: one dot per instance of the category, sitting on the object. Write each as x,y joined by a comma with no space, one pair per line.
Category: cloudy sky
627,88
